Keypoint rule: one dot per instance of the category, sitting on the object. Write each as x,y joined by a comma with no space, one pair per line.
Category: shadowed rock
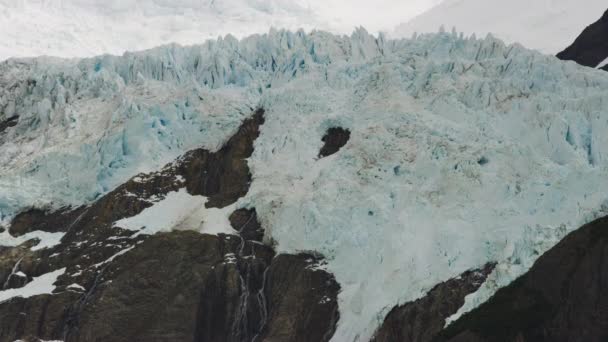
39,219
591,47
245,221
561,298
423,319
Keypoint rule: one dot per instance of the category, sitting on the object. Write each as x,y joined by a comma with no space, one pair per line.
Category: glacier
462,151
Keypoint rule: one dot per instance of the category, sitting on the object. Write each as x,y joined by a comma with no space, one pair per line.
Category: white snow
548,25
462,151
81,28
76,287
110,259
38,286
180,211
47,240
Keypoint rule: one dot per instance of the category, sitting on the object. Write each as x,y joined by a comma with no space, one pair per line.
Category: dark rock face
423,319
38,219
159,290
245,221
591,47
177,286
334,139
36,317
10,122
561,298
312,300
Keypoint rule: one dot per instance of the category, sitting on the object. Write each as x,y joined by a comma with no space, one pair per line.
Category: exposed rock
561,298
176,286
39,219
423,319
153,292
15,280
300,296
225,177
10,122
39,317
334,139
591,47
245,221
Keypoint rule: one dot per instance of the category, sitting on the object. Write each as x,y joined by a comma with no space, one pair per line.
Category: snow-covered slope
546,25
80,28
462,151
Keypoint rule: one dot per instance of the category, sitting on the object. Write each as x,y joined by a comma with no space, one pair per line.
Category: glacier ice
462,150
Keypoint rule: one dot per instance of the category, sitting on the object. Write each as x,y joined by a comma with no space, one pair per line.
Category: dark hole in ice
334,139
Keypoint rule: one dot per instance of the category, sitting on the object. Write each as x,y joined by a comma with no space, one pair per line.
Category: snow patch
110,259
180,211
47,240
76,287
38,286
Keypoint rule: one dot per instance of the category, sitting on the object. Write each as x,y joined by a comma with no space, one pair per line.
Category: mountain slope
459,153
559,299
548,26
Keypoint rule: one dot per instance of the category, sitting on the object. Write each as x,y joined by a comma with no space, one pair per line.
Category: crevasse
462,150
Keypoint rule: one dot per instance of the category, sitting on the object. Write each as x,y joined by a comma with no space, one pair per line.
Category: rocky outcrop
423,319
312,301
179,286
591,47
10,122
39,219
334,140
561,298
175,286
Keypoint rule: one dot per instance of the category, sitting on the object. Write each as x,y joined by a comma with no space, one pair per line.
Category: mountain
548,26
202,193
590,47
